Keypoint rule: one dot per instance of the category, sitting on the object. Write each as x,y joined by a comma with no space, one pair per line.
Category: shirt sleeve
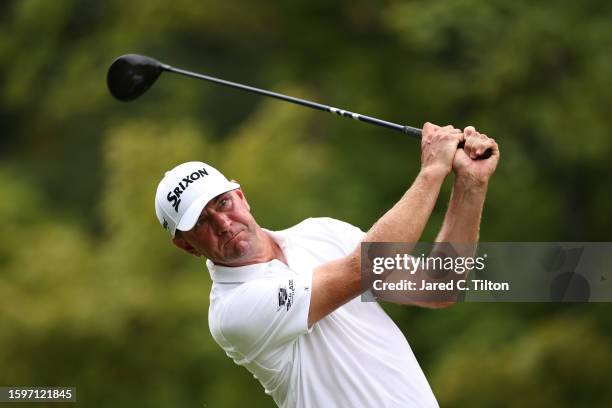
264,314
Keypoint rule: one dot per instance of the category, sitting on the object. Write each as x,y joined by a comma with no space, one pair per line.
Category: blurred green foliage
93,295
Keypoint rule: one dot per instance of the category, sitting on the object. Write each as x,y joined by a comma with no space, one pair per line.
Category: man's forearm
462,220
406,221
461,225
457,238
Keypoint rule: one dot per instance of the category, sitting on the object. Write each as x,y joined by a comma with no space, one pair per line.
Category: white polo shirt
354,357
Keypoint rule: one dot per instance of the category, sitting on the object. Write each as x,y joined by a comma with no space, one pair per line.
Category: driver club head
130,75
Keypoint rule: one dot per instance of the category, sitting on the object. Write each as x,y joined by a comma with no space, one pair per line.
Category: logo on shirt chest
286,295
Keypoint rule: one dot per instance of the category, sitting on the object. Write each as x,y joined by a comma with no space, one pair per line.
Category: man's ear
241,195
181,243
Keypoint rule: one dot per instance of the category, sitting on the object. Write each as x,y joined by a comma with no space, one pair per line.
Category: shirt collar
238,274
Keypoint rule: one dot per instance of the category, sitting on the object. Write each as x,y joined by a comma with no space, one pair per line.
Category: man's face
226,232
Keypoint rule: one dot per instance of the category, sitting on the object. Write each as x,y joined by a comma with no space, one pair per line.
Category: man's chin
239,250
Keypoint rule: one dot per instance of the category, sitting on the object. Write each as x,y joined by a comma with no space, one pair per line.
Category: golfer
285,304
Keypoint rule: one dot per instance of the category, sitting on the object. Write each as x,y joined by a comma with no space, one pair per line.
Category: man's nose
221,223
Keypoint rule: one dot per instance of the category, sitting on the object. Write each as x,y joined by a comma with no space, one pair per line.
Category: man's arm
462,220
336,282
457,238
461,226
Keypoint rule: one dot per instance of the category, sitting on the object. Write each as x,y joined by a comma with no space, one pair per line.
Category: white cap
184,192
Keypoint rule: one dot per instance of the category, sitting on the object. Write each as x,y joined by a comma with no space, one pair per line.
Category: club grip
417,133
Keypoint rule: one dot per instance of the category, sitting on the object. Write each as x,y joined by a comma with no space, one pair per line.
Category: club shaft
409,130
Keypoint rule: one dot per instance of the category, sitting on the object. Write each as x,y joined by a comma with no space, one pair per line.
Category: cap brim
189,219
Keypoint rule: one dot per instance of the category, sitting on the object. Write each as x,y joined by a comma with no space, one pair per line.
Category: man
285,304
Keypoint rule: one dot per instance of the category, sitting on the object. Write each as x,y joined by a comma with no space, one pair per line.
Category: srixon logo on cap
175,193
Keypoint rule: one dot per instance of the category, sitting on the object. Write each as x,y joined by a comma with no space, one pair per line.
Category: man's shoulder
323,233
319,224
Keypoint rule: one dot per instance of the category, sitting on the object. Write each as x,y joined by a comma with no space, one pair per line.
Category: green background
93,295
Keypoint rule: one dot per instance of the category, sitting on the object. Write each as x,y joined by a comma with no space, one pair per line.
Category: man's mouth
232,238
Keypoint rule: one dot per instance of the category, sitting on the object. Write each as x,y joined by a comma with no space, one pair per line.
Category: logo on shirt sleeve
286,294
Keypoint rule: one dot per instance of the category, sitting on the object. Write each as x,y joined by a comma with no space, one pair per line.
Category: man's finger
484,144
468,131
488,144
471,143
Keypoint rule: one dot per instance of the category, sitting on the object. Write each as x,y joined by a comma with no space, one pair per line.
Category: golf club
131,75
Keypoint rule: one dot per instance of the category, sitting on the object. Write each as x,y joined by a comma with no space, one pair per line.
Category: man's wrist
471,184
434,174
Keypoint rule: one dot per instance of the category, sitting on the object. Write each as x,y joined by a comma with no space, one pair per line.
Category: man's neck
276,249
270,249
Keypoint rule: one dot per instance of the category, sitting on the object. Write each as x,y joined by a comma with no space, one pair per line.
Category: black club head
130,75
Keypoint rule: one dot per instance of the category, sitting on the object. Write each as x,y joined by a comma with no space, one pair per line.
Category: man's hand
465,163
438,147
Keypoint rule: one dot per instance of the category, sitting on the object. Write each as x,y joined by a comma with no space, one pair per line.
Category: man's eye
223,203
